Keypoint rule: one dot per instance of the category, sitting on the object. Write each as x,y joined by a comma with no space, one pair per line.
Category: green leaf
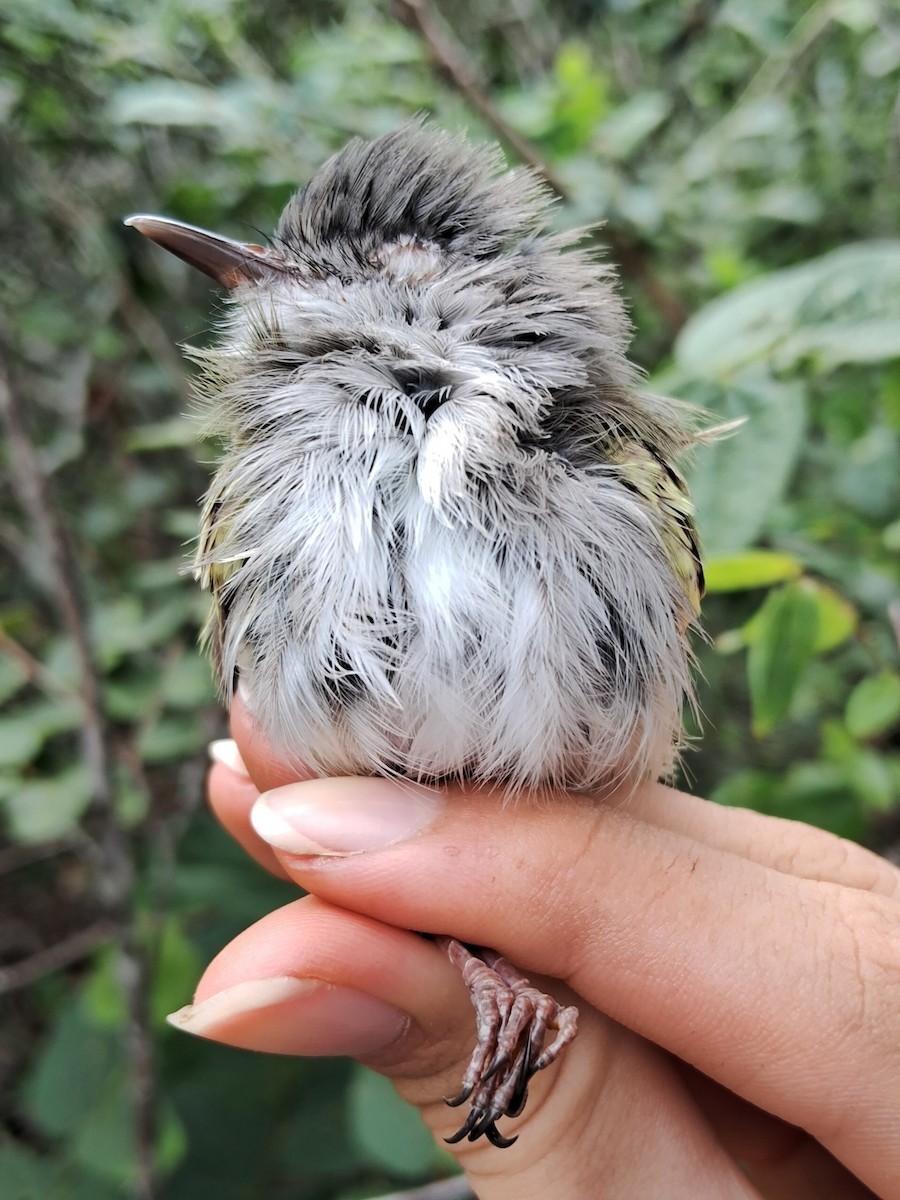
873,781
747,788
782,648
317,1136
625,129
737,480
25,1175
837,618
176,432
178,967
131,796
173,102
123,627
12,677
133,694
78,1090
43,809
76,1050
172,738
104,1141
874,705
171,1140
820,794
838,743
749,569
836,621
102,997
841,308
21,739
388,1130
188,682
582,98
24,732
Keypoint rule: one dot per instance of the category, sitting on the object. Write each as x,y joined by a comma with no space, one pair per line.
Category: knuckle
868,933
865,870
574,909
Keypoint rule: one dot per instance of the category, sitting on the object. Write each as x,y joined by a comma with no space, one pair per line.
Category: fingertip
231,797
225,751
288,1015
311,942
266,768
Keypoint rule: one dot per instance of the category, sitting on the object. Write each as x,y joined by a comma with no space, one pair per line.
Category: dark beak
228,262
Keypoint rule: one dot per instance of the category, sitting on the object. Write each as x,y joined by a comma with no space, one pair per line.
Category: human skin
737,976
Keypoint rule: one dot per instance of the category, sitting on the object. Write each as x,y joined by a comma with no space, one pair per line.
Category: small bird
446,539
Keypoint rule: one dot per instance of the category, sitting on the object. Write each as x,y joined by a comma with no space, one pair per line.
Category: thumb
314,979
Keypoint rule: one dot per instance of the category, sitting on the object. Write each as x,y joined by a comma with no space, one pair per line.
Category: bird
447,538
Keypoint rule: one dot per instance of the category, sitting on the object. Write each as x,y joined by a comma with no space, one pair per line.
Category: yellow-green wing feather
646,470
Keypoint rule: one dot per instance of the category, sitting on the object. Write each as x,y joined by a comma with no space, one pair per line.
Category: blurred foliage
746,159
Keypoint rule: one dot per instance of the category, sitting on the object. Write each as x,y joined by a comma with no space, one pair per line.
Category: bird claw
512,1018
460,1098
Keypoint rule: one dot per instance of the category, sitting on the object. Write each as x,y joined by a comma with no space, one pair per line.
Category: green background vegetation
746,158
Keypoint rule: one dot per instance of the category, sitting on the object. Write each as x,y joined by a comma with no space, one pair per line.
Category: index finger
790,847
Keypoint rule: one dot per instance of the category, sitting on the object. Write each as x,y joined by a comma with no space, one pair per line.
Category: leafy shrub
743,158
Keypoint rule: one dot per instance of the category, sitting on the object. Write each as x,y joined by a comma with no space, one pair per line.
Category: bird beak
228,262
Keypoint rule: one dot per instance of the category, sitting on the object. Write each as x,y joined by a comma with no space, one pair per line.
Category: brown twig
449,59
33,669
19,855
63,954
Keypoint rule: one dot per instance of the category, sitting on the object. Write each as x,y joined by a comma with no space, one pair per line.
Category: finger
231,794
780,1159
784,1162
790,847
232,785
312,979
741,970
266,768
786,846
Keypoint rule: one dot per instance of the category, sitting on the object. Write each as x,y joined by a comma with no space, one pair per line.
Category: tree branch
34,670
33,495
63,954
115,874
449,58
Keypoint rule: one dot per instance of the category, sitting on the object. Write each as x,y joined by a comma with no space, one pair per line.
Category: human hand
737,977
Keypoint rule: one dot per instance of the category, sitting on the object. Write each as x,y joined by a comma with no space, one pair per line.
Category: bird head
411,298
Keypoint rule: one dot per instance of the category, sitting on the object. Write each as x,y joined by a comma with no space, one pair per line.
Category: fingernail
294,1016
225,751
343,816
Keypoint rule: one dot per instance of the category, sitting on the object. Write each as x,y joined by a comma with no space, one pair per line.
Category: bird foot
512,1019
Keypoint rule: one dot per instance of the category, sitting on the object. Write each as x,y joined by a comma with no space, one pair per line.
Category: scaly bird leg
512,1019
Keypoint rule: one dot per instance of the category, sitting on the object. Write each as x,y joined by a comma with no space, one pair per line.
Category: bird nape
446,538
